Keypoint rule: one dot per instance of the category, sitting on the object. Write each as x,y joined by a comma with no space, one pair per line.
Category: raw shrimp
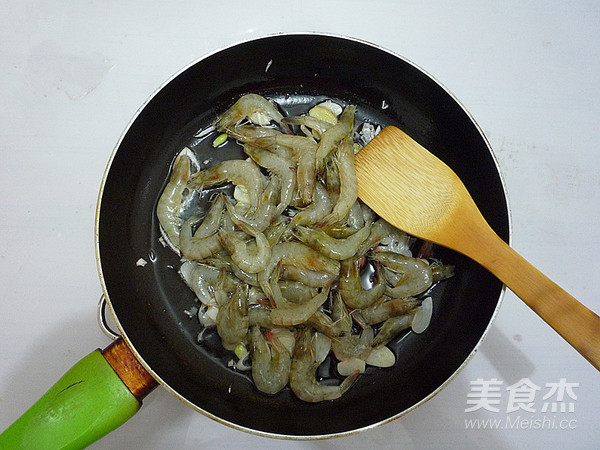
317,125
199,282
333,136
331,247
299,255
353,345
344,161
441,271
260,315
332,181
311,278
296,292
249,258
264,214
221,294
200,248
222,260
283,168
289,314
232,319
237,171
391,308
211,222
275,232
295,254
303,150
351,290
379,231
356,217
339,231
325,325
271,362
340,314
303,373
416,273
253,107
171,200
396,241
319,208
391,328
247,133
287,257
202,278
256,296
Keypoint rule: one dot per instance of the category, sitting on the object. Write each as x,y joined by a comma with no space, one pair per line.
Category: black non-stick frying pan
148,302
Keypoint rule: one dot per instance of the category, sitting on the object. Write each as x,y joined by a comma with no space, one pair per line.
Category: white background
73,73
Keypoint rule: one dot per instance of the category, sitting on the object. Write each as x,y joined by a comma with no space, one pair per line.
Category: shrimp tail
348,382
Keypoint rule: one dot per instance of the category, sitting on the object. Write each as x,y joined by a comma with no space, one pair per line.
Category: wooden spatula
416,192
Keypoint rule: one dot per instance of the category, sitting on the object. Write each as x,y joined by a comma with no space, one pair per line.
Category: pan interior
150,301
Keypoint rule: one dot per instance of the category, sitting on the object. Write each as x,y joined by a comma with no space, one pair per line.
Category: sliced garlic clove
423,315
381,357
322,347
351,366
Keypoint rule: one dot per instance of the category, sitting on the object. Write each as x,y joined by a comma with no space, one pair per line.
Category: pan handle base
88,402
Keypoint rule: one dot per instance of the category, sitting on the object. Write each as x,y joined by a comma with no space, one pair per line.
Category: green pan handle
89,401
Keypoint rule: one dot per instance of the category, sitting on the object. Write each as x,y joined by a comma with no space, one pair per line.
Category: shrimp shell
296,292
379,231
275,232
266,211
339,231
441,271
295,254
247,133
299,255
222,260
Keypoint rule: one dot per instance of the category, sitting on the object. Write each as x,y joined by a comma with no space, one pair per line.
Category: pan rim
132,346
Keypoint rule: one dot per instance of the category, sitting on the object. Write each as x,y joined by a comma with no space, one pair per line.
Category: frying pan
148,302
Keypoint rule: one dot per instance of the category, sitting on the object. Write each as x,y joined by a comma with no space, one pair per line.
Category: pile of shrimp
279,268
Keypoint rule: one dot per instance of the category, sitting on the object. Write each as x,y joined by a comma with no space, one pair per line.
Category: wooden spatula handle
577,324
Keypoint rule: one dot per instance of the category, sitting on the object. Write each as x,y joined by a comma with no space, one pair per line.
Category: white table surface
73,73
